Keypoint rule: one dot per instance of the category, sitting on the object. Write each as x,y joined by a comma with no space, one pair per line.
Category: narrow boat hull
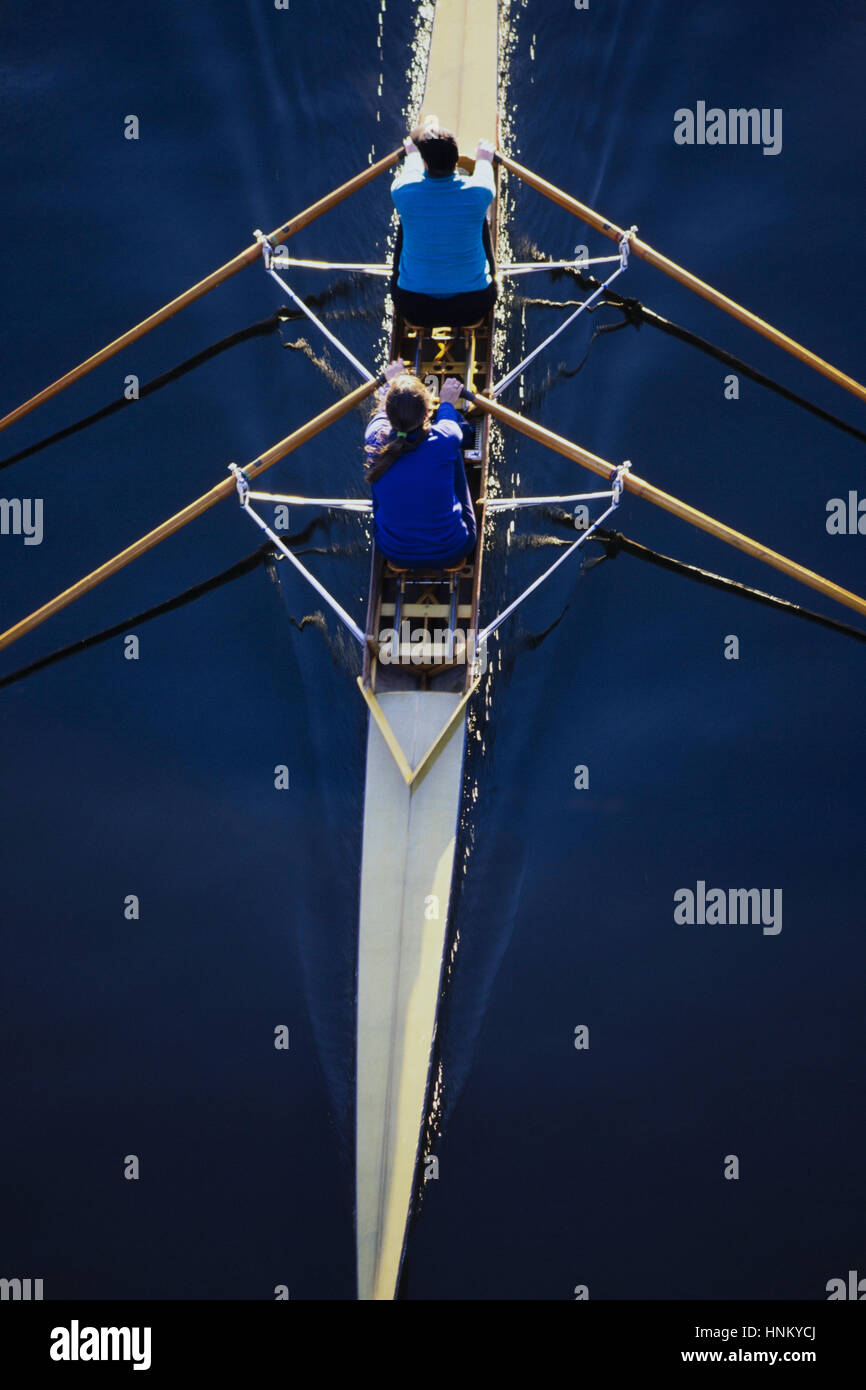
416,744
408,860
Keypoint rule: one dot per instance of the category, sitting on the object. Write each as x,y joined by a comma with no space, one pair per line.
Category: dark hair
438,149
409,408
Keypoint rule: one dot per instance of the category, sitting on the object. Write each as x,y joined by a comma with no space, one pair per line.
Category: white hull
410,821
407,864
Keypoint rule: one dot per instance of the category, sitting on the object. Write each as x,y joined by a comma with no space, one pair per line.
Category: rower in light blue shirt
444,271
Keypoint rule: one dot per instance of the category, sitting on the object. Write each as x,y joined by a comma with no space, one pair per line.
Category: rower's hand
395,368
450,390
486,150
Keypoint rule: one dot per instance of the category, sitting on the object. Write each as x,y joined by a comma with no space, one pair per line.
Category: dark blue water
155,777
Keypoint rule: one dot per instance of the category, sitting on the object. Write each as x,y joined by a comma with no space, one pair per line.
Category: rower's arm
412,171
464,496
377,422
483,176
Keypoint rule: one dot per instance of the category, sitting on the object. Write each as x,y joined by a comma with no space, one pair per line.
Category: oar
685,277
653,494
238,262
190,512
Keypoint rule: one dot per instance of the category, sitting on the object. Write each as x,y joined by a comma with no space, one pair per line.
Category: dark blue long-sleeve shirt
422,511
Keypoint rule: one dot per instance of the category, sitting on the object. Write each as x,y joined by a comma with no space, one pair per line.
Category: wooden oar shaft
653,494
685,277
188,513
238,262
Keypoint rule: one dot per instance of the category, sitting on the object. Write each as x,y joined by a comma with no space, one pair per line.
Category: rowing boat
420,667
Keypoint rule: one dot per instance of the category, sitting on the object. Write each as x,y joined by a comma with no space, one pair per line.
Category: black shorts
435,562
456,311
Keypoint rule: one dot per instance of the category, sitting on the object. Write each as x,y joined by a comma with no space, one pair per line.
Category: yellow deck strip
462,72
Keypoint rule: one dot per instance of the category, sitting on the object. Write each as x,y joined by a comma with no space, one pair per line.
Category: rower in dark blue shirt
423,515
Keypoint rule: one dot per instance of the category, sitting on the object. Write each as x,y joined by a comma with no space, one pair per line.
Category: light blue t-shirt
442,220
